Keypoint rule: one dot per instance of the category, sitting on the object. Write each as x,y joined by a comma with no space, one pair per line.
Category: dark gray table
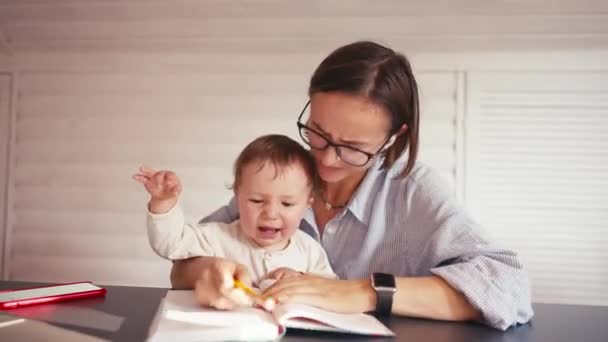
136,307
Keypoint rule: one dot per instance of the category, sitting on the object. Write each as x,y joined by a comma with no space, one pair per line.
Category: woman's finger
275,274
241,273
210,289
212,296
290,286
205,294
238,296
304,298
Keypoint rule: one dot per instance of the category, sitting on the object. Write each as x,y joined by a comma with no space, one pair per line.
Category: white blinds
5,127
537,175
80,136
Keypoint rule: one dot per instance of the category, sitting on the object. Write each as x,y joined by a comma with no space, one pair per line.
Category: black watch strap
384,304
385,287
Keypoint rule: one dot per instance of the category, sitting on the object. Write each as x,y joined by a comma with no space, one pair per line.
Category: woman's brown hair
383,76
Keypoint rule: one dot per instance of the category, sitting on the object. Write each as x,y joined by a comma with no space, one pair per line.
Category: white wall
98,93
5,142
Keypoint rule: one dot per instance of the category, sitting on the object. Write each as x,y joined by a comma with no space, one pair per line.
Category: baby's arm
169,236
173,239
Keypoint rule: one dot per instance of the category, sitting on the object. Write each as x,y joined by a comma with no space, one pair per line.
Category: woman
392,230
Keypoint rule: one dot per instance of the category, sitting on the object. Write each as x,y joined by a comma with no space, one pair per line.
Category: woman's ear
392,139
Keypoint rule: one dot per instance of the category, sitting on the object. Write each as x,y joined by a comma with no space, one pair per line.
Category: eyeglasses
347,154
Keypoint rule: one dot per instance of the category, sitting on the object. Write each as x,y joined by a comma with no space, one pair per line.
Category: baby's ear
310,201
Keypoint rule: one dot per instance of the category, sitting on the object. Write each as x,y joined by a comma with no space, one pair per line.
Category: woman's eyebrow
339,141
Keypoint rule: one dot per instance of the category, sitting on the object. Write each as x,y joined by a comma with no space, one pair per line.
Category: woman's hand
164,188
331,294
213,281
215,286
283,273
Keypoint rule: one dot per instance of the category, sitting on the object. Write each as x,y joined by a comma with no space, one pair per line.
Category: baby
274,179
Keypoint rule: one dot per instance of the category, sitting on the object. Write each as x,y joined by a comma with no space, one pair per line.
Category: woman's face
347,120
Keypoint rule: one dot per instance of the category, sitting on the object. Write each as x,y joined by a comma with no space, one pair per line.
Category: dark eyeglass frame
302,126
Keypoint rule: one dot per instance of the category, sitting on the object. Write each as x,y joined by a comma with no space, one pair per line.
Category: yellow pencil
265,303
248,290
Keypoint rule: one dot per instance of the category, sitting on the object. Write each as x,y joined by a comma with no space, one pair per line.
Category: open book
181,318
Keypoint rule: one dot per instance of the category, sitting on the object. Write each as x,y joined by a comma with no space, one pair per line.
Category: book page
309,317
182,318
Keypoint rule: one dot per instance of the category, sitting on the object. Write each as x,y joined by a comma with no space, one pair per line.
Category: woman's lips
328,169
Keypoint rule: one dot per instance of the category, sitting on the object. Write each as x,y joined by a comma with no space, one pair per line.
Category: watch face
384,280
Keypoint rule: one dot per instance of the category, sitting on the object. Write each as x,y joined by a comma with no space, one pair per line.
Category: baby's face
272,202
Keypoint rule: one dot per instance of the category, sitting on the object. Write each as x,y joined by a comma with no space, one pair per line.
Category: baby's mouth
268,230
270,233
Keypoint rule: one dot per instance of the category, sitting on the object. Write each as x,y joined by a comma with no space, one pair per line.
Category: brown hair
278,150
383,76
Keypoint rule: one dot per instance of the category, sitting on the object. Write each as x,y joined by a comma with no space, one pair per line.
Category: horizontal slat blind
537,175
5,129
80,136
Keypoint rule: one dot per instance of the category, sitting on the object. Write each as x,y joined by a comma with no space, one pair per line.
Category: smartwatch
385,287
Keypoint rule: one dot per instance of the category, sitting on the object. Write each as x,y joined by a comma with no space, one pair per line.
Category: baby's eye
287,204
256,201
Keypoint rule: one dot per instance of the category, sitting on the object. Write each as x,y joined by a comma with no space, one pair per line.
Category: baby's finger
171,178
140,178
148,171
158,178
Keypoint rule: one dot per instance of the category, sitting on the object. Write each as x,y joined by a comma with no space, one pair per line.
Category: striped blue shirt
414,226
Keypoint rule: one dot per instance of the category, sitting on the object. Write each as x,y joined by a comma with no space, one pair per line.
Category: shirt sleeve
226,214
171,238
456,248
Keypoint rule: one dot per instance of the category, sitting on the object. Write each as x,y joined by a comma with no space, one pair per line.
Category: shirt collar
361,204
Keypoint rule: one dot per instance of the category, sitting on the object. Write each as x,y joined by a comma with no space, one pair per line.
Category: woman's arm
447,243
212,280
424,297
226,214
185,273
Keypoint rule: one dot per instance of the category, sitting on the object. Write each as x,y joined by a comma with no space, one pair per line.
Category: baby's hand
164,188
282,273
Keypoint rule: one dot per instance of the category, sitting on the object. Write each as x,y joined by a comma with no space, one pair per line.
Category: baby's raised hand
164,188
161,185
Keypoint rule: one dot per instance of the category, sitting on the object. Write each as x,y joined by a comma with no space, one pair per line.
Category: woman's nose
329,156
